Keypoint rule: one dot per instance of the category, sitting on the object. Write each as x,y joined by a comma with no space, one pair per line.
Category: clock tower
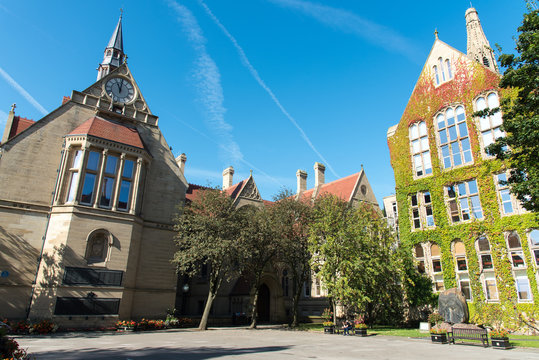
114,52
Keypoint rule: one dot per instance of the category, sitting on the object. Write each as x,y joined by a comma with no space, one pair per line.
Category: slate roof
109,130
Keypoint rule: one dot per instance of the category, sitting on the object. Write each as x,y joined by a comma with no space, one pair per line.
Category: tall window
436,75
453,136
419,254
533,235
509,204
515,250
126,185
435,255
449,71
488,277
489,125
90,175
462,269
76,158
463,201
109,179
421,205
441,62
419,142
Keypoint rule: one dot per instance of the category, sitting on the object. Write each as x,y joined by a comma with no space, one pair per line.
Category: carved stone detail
250,191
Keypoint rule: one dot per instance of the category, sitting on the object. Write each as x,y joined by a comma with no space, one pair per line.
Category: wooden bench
468,334
339,330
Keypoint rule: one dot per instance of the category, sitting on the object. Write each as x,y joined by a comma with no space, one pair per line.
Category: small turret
478,46
114,52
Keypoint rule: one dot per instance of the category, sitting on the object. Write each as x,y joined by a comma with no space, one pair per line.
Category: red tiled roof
109,130
19,125
235,189
193,191
341,188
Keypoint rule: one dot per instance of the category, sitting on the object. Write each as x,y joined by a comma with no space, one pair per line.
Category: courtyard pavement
265,343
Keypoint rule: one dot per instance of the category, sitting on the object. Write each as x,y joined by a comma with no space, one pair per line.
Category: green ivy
470,80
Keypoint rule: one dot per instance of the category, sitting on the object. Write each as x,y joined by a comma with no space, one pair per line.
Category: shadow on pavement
155,353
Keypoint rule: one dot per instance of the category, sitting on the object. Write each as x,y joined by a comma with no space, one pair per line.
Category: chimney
228,174
180,160
319,178
9,124
302,181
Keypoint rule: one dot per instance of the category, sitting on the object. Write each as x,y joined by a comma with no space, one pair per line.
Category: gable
96,96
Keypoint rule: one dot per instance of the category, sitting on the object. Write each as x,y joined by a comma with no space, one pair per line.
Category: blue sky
268,85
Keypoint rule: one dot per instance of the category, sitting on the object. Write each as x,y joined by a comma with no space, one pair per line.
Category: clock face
120,90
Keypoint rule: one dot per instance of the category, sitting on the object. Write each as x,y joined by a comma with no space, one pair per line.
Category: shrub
435,318
43,327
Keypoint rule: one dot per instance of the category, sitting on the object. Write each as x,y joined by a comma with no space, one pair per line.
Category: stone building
465,228
275,294
86,206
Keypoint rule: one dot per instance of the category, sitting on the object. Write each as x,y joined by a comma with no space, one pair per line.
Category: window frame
491,127
446,129
458,198
422,153
422,207
487,275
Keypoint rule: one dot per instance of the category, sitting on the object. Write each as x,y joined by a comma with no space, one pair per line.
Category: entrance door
263,305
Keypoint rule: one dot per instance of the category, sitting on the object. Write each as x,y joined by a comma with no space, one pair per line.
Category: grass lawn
516,340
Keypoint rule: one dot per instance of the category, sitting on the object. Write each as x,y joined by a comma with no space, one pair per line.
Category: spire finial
13,106
436,33
114,52
251,172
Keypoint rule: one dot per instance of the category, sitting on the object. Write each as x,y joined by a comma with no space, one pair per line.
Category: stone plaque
452,306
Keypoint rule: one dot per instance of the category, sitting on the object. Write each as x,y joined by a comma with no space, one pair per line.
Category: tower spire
478,46
114,54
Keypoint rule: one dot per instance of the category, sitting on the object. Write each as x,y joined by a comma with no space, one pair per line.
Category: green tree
208,232
292,219
520,114
258,247
354,253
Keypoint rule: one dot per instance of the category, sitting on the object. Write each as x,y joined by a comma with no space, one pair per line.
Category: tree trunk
254,310
204,320
295,300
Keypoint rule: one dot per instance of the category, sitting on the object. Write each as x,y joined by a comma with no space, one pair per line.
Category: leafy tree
258,246
208,234
292,219
520,114
354,254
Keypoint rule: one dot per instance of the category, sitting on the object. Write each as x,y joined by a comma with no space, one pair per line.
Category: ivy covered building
462,224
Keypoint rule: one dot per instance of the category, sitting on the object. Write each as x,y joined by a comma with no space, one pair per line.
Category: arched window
97,247
436,76
419,254
449,71
488,277
442,68
489,125
453,136
515,249
419,145
463,278
435,256
519,267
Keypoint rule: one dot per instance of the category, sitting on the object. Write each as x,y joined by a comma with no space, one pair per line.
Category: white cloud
351,23
208,84
22,92
261,82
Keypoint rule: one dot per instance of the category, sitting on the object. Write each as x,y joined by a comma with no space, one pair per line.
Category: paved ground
266,343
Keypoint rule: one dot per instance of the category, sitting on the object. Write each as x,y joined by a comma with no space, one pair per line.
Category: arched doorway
263,304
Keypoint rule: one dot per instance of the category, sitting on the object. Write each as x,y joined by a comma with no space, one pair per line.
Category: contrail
23,92
351,23
242,160
208,77
261,82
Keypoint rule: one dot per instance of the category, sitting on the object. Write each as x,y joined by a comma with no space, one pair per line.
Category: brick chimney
228,175
319,177
180,160
301,175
